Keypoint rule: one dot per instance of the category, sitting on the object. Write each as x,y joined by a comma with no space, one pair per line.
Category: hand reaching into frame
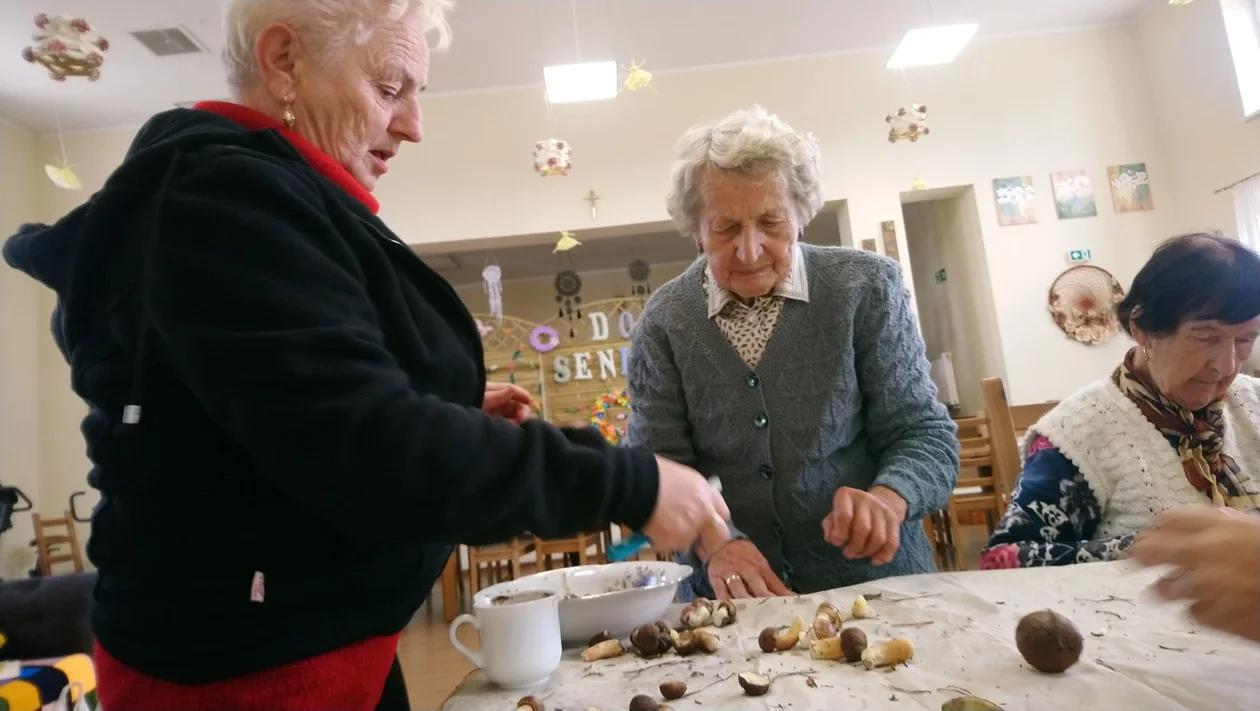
508,401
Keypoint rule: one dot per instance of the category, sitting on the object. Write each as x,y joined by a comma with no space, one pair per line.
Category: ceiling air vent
169,41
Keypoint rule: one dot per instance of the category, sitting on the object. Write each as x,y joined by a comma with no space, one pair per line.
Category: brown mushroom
833,613
969,703
601,637
697,614
823,628
647,639
852,644
673,689
724,614
530,703
1048,641
686,643
643,702
888,654
754,684
709,642
770,640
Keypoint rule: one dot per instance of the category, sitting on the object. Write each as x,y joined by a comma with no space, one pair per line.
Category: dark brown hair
1192,277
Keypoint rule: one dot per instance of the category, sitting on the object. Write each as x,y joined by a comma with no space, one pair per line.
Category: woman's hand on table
686,504
738,570
1216,553
867,524
511,402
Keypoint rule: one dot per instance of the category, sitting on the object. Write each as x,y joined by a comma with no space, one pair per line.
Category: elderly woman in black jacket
290,423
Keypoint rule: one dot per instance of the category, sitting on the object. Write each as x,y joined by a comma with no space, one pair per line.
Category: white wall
1016,106
1198,111
958,315
20,323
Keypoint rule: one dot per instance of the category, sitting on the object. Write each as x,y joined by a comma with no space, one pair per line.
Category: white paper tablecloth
1151,657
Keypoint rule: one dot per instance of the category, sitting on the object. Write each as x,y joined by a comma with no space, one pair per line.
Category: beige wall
958,315
1199,113
21,175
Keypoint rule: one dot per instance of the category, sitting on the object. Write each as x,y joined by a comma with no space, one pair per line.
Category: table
1150,655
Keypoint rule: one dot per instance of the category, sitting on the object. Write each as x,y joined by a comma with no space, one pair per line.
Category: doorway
957,313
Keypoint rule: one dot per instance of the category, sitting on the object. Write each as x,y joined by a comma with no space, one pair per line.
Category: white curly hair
330,26
750,142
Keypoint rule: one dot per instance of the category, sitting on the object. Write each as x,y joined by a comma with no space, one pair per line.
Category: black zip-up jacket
308,399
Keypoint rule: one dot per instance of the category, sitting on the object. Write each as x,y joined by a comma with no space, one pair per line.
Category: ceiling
501,44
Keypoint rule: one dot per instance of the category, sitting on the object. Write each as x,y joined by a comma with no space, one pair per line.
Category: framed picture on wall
1130,187
1073,194
1016,199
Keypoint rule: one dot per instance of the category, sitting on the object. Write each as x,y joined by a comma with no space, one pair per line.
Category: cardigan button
753,380
767,472
777,529
761,421
786,575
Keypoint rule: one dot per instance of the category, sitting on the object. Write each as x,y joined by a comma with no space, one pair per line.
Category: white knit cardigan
1133,470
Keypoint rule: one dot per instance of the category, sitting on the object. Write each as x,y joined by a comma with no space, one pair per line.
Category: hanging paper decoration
566,242
516,356
66,47
606,421
907,123
918,184
544,338
638,78
492,276
483,329
1180,2
551,157
63,177
640,271
569,296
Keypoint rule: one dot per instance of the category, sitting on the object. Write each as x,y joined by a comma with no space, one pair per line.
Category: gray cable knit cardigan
841,398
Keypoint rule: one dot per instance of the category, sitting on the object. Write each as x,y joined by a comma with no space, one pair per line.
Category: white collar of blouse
795,286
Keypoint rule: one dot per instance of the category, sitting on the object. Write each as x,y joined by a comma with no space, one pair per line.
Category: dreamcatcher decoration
611,425
1083,303
66,47
907,123
552,157
569,297
639,272
492,282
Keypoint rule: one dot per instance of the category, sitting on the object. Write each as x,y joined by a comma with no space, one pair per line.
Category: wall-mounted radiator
943,377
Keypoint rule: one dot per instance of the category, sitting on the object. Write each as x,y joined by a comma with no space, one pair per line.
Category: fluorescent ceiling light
931,45
590,81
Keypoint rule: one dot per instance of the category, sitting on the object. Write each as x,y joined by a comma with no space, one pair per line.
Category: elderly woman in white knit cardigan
1175,426
794,373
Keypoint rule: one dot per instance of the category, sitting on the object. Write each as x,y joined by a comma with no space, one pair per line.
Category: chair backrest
1002,439
48,544
1025,416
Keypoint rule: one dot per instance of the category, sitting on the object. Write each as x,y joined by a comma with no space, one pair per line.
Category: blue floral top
1052,518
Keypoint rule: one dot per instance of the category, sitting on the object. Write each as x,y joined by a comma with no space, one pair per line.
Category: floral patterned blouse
1052,518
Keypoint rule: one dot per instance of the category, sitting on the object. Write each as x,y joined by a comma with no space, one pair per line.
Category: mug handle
474,657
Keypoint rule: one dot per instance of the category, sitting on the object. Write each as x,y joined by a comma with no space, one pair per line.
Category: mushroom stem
604,650
886,654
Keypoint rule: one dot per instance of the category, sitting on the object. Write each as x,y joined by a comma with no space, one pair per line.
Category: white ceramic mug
520,637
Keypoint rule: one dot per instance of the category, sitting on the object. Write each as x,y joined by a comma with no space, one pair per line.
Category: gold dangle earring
289,118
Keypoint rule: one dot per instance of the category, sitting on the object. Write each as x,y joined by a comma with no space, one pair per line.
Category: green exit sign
940,276
1080,255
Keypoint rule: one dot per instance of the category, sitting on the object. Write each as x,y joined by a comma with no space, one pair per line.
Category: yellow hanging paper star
639,77
918,184
567,241
63,177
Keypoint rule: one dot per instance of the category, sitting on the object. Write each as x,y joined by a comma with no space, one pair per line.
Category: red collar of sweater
317,159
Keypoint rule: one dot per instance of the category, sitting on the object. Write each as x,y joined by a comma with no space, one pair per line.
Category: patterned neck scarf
1198,436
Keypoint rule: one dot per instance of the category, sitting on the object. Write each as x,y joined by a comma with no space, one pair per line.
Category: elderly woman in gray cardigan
794,373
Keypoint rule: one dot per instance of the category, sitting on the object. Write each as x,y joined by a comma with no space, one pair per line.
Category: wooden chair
499,557
1025,416
576,547
48,544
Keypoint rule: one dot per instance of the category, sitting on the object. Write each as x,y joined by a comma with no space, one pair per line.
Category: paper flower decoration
918,184
66,46
551,157
566,242
639,77
907,123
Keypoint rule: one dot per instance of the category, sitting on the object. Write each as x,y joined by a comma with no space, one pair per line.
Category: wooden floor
433,668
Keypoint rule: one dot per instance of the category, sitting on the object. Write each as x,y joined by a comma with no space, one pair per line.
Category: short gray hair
331,26
749,142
